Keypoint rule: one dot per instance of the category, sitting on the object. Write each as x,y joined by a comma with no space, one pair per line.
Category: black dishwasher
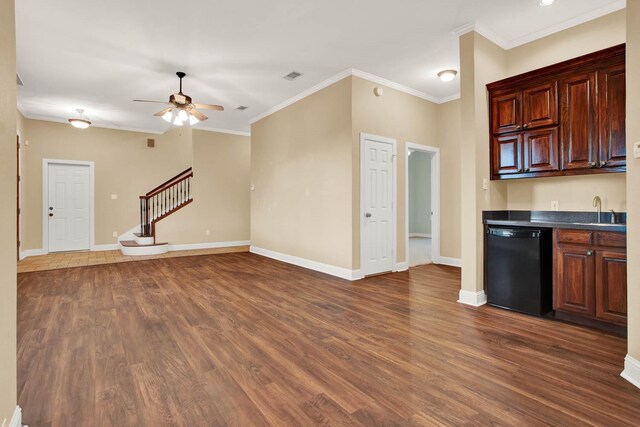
518,269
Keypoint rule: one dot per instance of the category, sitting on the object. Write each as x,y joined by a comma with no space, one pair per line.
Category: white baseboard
16,419
401,266
98,248
209,245
428,236
32,252
343,273
454,262
631,371
475,299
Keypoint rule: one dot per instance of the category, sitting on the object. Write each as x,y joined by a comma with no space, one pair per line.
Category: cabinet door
611,286
506,113
507,154
541,150
611,112
575,281
579,122
540,106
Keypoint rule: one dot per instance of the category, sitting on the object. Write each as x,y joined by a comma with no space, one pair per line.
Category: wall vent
292,75
241,107
19,80
151,143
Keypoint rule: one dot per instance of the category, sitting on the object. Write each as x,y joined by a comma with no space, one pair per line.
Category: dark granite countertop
556,219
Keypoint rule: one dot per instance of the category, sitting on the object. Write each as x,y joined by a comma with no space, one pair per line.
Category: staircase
156,205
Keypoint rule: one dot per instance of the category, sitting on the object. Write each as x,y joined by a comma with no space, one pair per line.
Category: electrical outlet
485,184
555,205
636,150
115,234
208,232
253,187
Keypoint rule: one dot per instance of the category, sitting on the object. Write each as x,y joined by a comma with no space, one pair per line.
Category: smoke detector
292,75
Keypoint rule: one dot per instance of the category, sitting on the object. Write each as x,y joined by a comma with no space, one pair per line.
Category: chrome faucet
597,203
613,216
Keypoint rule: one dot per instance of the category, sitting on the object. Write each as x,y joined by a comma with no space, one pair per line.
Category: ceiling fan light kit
181,109
80,122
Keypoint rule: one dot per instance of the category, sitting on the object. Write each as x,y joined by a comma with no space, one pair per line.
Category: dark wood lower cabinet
591,275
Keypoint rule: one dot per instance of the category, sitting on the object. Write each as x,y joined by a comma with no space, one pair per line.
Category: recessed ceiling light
447,75
545,2
80,122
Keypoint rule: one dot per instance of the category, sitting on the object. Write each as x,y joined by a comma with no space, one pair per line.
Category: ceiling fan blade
209,107
198,115
163,112
155,102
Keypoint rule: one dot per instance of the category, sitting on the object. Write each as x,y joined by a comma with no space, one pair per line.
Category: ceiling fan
181,108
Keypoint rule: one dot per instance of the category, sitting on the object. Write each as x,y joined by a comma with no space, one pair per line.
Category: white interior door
378,207
69,207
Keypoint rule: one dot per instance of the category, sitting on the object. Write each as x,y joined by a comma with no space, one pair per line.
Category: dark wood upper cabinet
541,150
565,119
540,106
611,115
506,110
579,121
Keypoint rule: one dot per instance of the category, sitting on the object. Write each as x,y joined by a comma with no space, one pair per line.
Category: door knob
50,214
50,208
367,215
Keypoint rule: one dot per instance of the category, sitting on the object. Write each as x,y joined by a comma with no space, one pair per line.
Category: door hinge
19,178
19,211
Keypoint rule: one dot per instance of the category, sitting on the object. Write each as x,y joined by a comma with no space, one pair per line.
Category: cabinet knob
593,164
518,127
526,169
524,126
603,163
589,253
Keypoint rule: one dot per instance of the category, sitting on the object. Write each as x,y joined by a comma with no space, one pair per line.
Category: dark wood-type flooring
242,340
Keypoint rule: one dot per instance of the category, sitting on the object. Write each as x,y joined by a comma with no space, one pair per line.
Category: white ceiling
100,55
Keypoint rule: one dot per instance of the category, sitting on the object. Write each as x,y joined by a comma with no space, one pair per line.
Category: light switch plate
555,205
253,187
115,234
636,150
485,184
114,197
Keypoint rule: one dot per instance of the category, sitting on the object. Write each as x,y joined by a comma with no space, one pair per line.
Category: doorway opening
422,204
68,205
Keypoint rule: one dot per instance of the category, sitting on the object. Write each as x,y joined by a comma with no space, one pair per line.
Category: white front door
378,161
69,207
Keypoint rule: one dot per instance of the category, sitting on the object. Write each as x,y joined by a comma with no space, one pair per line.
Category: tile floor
55,261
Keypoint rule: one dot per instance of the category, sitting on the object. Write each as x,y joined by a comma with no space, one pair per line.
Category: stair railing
164,200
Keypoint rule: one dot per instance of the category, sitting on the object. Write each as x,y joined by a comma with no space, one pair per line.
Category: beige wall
449,131
572,193
302,171
123,166
481,62
8,250
221,196
633,175
398,115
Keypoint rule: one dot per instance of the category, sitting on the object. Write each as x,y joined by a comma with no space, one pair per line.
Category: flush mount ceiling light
447,75
80,122
545,2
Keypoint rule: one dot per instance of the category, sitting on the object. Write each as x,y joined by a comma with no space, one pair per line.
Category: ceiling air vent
292,75
19,81
241,107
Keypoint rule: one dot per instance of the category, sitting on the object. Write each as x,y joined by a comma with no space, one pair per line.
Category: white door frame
435,198
45,199
394,200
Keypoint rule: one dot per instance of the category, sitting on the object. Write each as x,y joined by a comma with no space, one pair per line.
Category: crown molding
93,125
355,73
219,130
326,83
581,19
496,38
393,85
483,30
449,98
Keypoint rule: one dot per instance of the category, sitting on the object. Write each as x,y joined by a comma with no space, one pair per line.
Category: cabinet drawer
611,239
574,237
